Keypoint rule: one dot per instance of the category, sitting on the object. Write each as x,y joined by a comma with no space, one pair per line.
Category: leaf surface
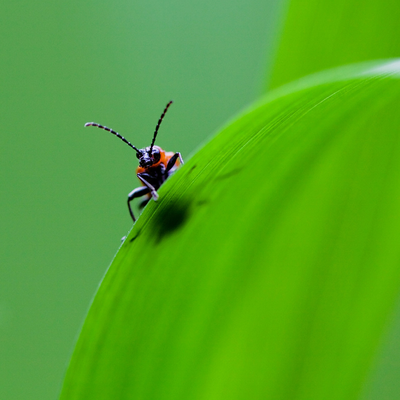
319,35
270,264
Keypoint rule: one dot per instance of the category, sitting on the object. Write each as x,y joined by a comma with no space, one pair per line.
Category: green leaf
270,264
319,35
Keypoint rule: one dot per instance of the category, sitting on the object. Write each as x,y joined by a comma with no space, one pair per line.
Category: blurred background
64,187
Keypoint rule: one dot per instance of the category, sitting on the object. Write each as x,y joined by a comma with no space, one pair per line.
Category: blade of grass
319,35
269,267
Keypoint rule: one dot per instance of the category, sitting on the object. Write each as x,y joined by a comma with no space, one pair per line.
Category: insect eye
156,155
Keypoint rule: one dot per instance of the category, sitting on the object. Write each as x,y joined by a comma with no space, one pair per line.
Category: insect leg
150,187
138,192
173,159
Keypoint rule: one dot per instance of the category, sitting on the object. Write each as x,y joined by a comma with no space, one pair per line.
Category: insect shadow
229,174
170,218
136,235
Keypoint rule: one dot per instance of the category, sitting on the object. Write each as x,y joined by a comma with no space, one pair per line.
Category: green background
64,187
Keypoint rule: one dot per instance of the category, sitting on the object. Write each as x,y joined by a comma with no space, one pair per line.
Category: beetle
155,165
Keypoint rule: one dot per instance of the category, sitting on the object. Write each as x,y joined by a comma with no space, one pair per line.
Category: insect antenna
115,133
158,125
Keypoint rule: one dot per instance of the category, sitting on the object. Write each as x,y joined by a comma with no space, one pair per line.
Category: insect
155,165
